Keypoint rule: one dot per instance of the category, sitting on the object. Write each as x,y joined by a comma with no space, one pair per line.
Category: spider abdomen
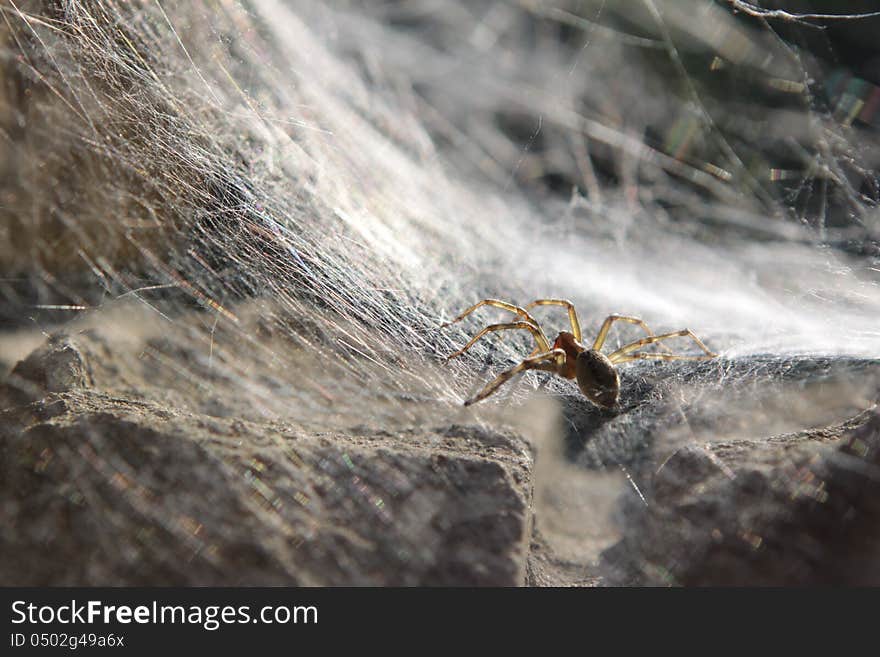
597,378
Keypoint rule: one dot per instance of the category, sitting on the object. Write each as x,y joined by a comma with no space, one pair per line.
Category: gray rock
798,509
114,492
58,366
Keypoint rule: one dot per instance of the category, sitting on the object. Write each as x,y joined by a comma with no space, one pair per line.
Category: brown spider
568,358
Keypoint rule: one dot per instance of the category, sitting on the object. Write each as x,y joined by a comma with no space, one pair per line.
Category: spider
568,357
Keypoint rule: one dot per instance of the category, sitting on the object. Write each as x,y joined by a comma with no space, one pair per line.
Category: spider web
278,204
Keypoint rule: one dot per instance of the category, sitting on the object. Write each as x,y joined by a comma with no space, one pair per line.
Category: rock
57,366
113,492
799,509
755,393
108,479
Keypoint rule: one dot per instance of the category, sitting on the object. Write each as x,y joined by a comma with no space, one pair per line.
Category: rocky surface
102,489
101,485
798,509
105,484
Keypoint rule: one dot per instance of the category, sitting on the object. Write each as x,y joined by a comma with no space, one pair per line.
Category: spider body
597,378
573,349
595,374
567,357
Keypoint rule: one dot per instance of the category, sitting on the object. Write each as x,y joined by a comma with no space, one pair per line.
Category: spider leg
522,312
540,338
539,362
572,313
617,356
606,326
